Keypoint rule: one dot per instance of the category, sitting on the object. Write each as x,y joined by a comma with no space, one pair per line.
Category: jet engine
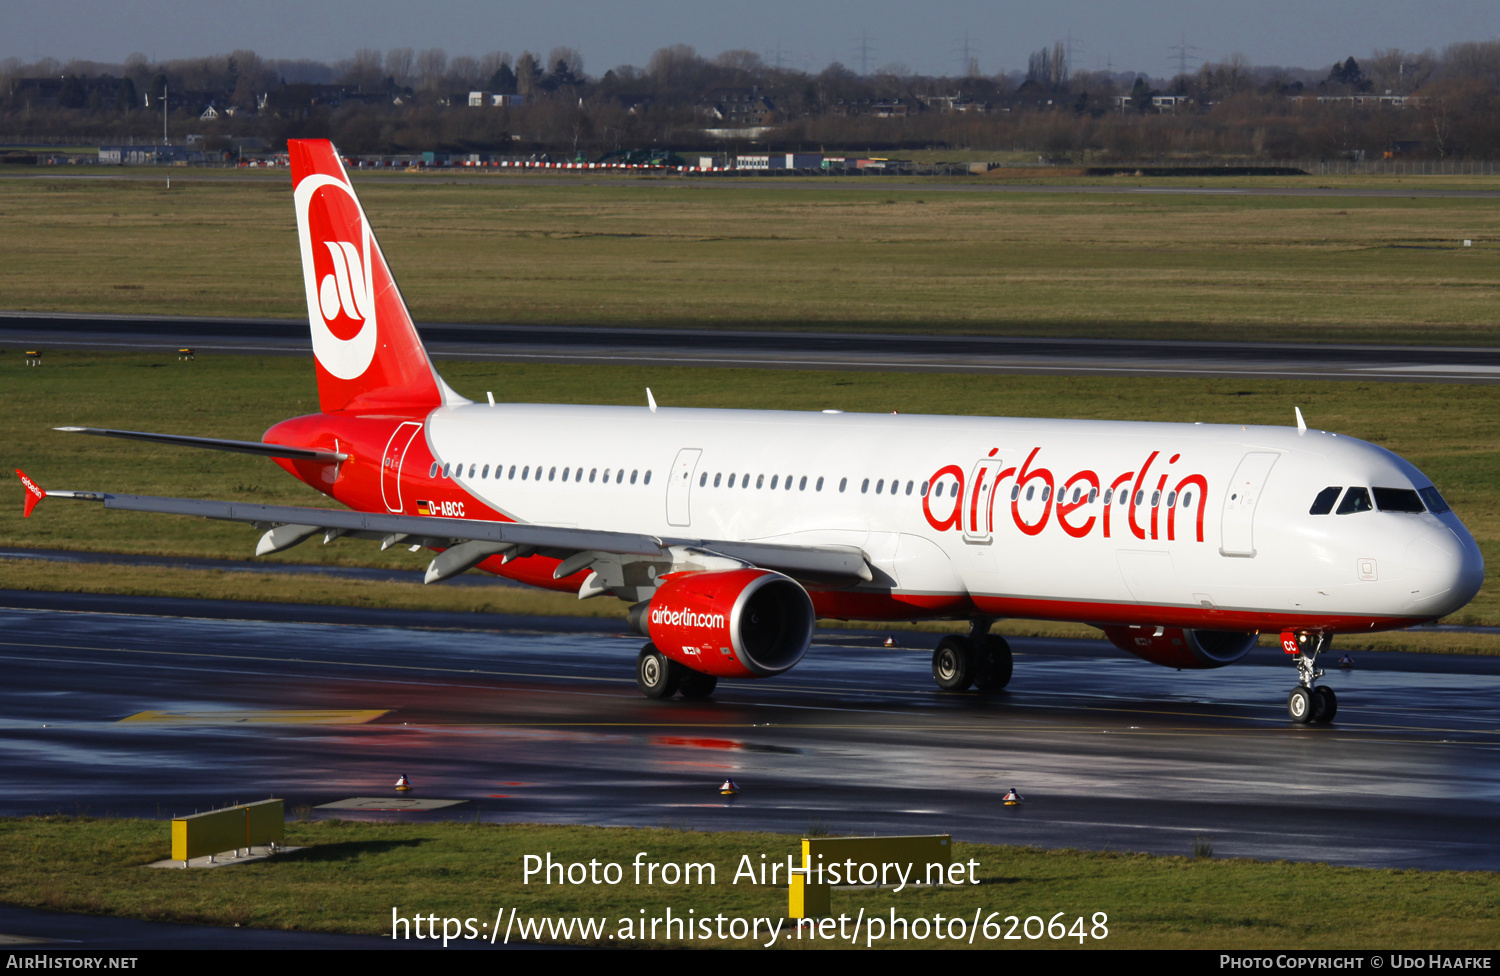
1174,647
742,623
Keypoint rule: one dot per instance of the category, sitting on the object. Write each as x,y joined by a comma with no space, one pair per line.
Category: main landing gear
658,676
1309,703
981,660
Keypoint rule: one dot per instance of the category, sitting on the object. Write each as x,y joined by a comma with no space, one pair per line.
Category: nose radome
1444,568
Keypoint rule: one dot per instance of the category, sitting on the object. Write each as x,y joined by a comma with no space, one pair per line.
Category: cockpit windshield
1357,499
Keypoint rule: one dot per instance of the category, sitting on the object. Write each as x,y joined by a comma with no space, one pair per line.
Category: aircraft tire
1325,704
1299,705
995,664
954,663
696,684
656,674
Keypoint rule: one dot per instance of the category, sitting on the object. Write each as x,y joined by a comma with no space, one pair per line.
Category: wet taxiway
154,715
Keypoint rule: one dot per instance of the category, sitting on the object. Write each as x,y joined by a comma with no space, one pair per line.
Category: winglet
34,493
1301,424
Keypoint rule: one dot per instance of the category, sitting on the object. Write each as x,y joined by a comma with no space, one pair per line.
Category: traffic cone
1346,661
403,784
728,789
1012,798
890,642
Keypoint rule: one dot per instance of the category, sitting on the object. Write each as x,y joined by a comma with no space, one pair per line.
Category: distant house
739,107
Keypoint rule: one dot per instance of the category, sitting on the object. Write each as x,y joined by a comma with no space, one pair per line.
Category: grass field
1452,432
351,875
830,255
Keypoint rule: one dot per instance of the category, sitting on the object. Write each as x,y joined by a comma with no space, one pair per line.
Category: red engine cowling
1184,649
742,623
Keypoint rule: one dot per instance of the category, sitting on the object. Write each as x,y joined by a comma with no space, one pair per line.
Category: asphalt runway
994,355
165,711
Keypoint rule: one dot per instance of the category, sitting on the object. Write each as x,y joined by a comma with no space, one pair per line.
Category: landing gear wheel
1325,704
995,664
1299,705
696,684
954,663
656,674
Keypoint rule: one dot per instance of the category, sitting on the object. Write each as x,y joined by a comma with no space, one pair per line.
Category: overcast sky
925,35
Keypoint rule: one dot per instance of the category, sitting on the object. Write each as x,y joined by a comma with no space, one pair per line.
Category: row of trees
405,100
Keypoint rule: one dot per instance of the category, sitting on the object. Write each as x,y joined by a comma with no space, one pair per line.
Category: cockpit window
1398,500
1435,503
1355,500
1323,504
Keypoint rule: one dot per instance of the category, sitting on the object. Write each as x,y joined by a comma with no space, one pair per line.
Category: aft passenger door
1237,526
390,464
680,486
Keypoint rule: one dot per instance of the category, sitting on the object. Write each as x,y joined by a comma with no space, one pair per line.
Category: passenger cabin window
648,479
1355,500
1398,500
432,471
1323,504
1435,503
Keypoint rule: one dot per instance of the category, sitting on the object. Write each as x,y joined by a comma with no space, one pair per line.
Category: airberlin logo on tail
344,290
338,273
686,618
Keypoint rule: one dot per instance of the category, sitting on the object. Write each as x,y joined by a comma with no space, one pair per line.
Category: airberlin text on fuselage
686,618
1146,499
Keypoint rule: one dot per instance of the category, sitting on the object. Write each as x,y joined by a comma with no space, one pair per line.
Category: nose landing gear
1309,703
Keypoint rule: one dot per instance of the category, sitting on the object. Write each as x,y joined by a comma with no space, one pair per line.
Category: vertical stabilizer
368,353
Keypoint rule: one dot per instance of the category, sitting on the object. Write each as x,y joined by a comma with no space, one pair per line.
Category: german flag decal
424,508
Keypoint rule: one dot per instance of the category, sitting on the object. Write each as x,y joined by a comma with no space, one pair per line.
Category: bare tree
1478,60
463,72
399,64
432,65
363,70
1398,72
673,66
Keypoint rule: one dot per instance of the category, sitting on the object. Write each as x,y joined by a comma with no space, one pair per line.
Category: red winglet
34,493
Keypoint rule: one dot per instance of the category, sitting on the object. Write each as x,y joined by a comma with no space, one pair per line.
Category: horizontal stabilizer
216,444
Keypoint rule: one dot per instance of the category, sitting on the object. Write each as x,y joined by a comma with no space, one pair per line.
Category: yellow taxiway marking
261,716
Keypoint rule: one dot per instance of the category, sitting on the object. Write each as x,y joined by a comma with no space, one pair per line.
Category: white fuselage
969,507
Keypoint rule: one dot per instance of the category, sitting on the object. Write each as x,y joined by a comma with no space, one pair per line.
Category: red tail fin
34,493
368,352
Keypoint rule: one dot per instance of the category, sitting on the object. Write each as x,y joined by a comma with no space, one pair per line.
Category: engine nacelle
1179,648
741,623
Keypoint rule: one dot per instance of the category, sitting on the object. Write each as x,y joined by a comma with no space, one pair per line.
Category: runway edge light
728,788
1012,798
403,784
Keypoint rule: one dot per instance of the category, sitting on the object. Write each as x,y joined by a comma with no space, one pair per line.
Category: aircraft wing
467,542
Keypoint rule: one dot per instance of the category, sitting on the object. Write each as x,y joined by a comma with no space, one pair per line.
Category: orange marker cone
729,789
403,784
1012,798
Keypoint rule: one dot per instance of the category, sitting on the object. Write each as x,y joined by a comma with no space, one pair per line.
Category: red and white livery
731,531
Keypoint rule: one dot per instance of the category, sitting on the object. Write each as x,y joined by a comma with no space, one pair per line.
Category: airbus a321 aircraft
731,531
